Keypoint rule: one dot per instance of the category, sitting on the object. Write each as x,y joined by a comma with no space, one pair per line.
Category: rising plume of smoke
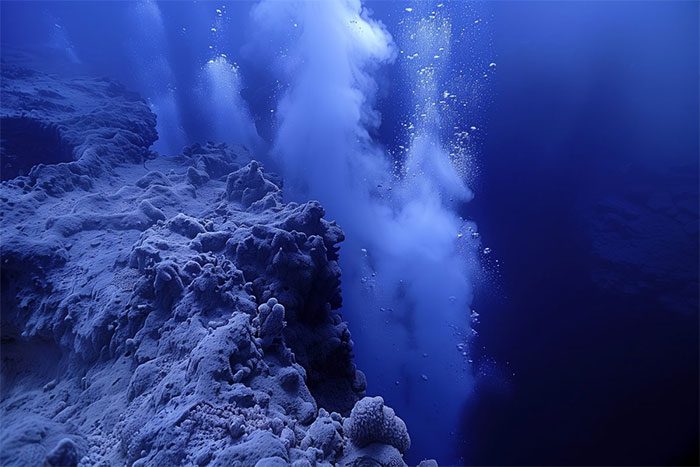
60,42
407,258
230,119
221,83
156,79
329,50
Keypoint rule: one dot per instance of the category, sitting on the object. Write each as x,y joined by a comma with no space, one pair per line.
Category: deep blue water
593,100
586,194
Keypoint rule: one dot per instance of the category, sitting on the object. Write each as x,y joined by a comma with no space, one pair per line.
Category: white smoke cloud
155,74
60,42
408,256
230,119
325,116
221,83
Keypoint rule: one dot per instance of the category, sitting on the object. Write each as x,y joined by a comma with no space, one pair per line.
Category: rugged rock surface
166,311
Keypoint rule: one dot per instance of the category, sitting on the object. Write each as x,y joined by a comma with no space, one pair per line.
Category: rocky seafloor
166,310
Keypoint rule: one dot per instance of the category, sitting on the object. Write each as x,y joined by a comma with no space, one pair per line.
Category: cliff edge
166,310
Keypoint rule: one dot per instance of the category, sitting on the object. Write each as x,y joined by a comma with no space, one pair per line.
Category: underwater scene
349,232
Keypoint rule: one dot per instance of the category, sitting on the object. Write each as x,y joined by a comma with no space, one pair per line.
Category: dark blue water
586,194
593,101
594,104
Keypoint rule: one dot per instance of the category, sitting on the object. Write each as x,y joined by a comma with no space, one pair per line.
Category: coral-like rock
372,422
65,454
324,434
259,445
185,225
270,322
247,185
166,311
212,160
428,463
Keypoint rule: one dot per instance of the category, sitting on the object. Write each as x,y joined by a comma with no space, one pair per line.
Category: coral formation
65,454
372,422
169,310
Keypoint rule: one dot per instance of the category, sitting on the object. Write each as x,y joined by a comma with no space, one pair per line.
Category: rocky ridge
166,311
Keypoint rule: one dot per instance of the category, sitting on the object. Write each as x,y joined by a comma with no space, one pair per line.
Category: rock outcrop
167,311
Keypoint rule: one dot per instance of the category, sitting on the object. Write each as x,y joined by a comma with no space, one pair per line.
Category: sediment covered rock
169,311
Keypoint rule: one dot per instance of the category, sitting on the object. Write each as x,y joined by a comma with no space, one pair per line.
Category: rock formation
166,310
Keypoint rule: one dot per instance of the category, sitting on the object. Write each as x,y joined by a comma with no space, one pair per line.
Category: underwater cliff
166,310
349,232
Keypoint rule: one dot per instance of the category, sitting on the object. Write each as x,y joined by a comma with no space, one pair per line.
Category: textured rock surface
84,125
168,311
372,422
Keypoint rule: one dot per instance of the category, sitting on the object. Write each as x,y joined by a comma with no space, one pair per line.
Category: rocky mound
166,311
